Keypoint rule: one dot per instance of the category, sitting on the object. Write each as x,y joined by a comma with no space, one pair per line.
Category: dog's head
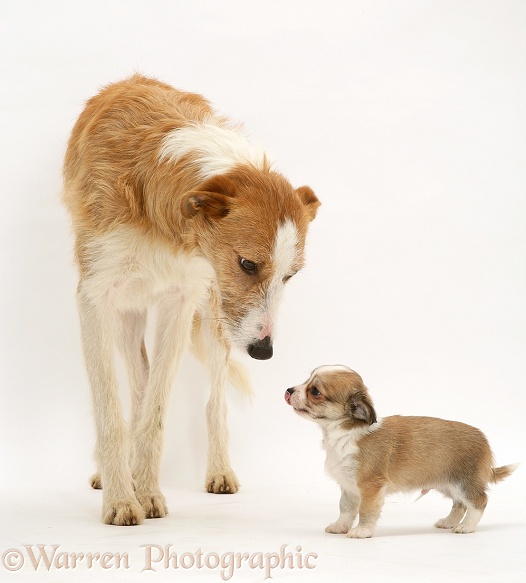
333,393
251,225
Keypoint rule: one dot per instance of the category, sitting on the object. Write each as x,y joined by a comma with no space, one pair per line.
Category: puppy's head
251,225
333,393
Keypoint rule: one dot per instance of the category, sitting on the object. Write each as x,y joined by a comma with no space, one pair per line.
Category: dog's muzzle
261,349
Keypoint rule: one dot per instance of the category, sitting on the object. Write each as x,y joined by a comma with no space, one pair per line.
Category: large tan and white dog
370,458
171,206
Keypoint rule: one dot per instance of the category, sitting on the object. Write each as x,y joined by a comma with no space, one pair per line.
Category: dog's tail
237,375
503,472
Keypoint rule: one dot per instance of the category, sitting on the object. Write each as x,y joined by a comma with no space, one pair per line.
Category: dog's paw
222,483
95,482
360,532
463,529
153,505
337,528
123,512
445,523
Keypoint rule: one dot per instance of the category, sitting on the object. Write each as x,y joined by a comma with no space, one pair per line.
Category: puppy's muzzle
261,349
288,394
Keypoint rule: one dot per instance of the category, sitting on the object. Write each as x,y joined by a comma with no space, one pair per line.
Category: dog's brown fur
172,206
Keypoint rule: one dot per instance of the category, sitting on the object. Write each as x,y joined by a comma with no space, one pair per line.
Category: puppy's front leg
175,315
349,503
372,500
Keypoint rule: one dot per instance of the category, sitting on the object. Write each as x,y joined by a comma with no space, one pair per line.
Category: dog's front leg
349,503
133,350
99,327
174,323
220,478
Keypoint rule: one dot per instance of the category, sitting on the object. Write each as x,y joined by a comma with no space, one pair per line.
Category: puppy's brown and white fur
370,458
173,207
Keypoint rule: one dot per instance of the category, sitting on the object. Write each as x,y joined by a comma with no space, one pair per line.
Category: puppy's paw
153,504
463,529
222,483
360,532
95,481
126,512
338,528
445,523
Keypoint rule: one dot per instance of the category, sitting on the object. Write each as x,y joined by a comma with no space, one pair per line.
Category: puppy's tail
503,472
237,375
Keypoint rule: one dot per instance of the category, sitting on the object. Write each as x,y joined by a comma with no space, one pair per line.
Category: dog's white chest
131,272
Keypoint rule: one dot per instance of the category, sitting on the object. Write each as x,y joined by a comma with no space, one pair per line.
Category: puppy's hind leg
99,326
454,517
476,504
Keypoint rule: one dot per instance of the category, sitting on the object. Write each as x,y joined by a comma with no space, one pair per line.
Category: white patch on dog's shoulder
216,149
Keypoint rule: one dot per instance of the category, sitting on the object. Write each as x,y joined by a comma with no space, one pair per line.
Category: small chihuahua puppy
370,458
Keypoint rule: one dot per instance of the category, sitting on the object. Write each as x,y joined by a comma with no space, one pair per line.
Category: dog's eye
247,266
314,392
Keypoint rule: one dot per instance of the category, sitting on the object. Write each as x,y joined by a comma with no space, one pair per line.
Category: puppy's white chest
341,463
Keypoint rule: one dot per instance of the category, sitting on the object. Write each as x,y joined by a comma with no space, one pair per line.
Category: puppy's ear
361,408
309,199
213,199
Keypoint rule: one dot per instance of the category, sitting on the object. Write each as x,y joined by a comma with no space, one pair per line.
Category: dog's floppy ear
309,199
213,198
361,408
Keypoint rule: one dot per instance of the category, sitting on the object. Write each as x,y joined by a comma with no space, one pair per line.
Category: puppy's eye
247,266
314,392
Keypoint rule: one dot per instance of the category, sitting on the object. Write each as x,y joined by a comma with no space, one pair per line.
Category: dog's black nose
261,349
290,391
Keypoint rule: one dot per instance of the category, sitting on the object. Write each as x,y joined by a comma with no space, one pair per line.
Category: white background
407,119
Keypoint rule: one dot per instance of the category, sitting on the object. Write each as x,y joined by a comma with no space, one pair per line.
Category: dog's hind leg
172,336
99,329
133,350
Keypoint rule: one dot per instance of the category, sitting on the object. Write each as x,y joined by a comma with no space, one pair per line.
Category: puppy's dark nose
261,349
290,391
288,394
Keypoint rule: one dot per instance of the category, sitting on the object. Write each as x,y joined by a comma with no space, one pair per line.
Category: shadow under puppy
370,458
